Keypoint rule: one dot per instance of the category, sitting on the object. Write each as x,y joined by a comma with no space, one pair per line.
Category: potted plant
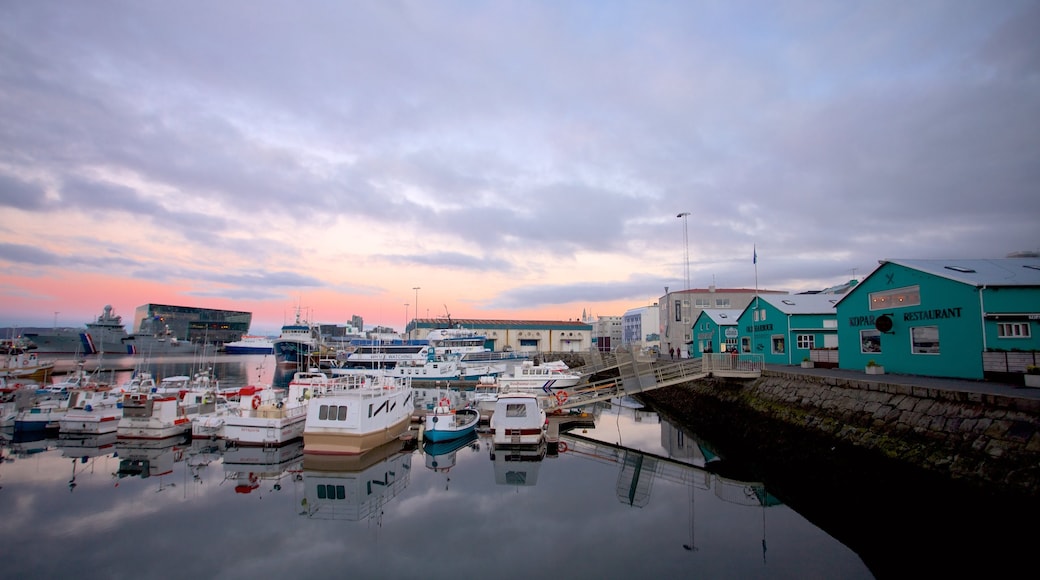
874,369
1032,376
807,363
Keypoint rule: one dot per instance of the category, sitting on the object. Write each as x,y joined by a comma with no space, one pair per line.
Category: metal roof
997,272
802,303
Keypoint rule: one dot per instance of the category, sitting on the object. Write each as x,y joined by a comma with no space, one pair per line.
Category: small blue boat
444,423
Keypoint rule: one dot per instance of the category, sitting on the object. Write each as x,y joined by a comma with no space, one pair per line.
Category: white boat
27,366
548,378
469,345
444,368
92,412
267,417
161,416
518,419
250,344
484,395
372,354
358,414
213,412
44,415
446,422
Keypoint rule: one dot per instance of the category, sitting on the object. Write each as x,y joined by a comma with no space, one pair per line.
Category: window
777,343
722,303
678,311
703,303
806,341
870,341
516,410
898,298
1013,330
924,340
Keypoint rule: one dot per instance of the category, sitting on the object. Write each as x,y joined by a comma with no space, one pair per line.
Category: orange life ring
562,447
561,397
256,401
444,402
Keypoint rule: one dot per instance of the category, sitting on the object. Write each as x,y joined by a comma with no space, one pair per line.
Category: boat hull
258,431
438,428
349,443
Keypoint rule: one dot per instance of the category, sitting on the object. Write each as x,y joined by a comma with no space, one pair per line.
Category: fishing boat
26,366
92,411
44,415
445,422
267,417
160,416
518,419
355,415
296,343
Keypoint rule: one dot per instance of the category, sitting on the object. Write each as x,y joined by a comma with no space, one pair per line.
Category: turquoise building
784,328
714,330
943,318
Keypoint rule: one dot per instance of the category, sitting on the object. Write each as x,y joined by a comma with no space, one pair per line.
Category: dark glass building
191,324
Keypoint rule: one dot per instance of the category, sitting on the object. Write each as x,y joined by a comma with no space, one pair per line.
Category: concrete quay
981,433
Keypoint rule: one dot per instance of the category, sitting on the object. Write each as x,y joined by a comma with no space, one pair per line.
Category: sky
523,160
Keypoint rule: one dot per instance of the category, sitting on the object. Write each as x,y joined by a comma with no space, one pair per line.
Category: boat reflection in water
263,468
518,465
440,455
355,487
146,458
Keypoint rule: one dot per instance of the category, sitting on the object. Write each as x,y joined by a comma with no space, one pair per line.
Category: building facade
785,328
191,324
518,335
640,328
944,318
715,330
678,311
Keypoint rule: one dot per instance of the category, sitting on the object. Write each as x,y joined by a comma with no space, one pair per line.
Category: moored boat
518,419
296,343
250,344
445,422
358,414
547,377
92,411
266,417
105,334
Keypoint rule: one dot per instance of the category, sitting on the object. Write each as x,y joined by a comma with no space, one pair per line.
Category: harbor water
631,495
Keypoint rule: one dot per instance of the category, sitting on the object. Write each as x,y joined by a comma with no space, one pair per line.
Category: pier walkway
628,374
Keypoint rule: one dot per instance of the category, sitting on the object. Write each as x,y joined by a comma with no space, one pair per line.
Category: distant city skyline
500,160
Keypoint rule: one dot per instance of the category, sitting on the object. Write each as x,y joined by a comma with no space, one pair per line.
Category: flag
754,257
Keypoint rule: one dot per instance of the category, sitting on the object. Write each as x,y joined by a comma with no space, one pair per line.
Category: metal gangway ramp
637,374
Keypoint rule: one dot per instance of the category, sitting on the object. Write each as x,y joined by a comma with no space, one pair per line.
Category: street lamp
416,288
686,246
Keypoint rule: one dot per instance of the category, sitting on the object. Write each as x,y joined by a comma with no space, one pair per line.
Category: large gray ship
104,335
108,336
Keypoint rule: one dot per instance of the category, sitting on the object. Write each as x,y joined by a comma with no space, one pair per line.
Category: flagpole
754,316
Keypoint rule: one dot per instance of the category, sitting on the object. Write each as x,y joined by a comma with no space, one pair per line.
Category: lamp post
416,288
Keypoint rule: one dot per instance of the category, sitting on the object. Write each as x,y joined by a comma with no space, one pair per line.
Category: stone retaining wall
989,441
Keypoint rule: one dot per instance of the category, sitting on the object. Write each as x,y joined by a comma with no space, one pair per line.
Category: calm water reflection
628,497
